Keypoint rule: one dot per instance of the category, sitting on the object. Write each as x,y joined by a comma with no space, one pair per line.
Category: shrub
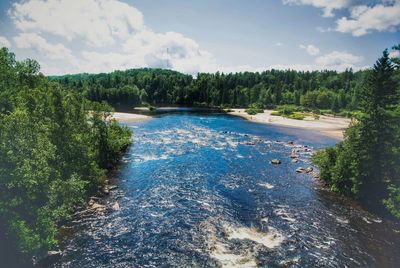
297,116
255,108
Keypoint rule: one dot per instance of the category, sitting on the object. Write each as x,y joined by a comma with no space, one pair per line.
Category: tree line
55,150
312,90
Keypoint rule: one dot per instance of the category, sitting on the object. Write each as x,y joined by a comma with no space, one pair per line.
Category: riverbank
129,117
326,125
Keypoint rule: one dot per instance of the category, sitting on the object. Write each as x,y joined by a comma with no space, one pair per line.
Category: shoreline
327,125
129,117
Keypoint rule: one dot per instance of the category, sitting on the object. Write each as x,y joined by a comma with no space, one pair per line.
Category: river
198,190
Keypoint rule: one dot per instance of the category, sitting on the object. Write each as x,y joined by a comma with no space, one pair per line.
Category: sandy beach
327,125
129,117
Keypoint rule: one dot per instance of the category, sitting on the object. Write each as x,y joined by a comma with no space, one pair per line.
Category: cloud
364,19
169,50
99,23
380,15
328,6
103,35
338,60
311,49
4,42
40,45
102,25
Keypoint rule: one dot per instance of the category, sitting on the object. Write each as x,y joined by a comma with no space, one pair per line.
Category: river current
198,190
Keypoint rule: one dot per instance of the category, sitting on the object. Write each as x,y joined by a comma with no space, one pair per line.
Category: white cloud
328,6
364,19
335,60
40,45
103,25
4,42
169,50
98,22
115,37
311,49
338,60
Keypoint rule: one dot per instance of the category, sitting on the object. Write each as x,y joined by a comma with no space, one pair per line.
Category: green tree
49,153
335,106
366,164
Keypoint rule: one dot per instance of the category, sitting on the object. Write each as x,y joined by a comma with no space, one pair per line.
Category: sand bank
129,117
327,125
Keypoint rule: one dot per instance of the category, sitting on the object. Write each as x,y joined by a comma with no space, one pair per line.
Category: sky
74,36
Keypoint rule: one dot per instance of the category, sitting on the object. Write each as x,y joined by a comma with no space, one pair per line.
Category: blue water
198,190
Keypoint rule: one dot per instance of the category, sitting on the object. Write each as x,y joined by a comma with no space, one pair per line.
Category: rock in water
309,169
295,160
116,206
276,161
300,170
112,187
106,190
50,258
98,206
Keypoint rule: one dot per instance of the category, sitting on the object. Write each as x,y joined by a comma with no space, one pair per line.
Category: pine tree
366,164
335,106
377,133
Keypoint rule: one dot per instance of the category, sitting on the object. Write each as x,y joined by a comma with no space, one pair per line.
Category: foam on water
226,258
201,192
266,185
270,239
282,213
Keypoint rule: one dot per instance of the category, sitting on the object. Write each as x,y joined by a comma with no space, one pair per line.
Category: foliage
255,108
297,116
317,89
52,153
335,106
294,112
393,201
366,164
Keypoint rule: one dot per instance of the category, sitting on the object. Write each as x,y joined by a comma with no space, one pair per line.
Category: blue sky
71,36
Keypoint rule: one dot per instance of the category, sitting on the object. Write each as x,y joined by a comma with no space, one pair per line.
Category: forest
55,150
311,90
